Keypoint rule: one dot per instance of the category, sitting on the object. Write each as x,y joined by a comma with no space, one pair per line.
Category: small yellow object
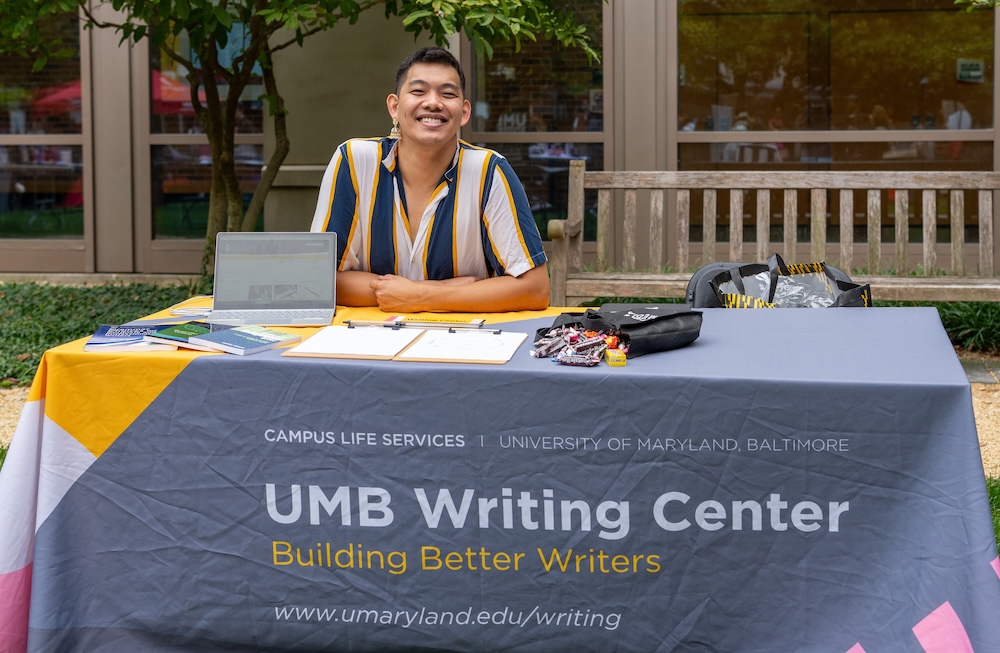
615,357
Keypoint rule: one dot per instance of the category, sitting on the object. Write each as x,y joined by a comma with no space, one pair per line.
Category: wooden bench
913,196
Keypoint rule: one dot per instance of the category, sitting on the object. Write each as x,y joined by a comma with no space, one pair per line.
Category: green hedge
35,317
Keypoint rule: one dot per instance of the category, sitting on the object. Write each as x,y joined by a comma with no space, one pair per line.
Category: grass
975,326
993,490
43,223
33,318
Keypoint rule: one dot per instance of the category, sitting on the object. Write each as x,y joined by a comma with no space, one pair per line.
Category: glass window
913,69
838,155
41,185
41,191
834,65
48,101
171,106
182,180
543,169
740,70
542,87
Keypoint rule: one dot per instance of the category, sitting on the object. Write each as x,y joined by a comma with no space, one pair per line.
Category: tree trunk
281,145
219,119
213,121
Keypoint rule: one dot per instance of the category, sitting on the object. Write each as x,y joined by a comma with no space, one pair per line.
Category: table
793,481
44,189
189,182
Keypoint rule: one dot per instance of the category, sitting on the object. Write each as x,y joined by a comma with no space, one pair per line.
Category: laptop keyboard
284,316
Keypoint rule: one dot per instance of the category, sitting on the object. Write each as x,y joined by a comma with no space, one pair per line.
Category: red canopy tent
57,100
171,96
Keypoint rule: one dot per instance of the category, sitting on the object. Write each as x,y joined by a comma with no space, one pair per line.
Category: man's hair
433,55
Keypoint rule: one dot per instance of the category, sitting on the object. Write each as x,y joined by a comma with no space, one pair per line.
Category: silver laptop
275,279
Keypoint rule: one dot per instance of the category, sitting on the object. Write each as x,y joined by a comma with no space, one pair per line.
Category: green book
181,334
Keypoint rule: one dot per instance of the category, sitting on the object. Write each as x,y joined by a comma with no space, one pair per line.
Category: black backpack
701,294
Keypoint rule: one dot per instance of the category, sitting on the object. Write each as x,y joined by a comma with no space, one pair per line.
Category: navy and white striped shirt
477,222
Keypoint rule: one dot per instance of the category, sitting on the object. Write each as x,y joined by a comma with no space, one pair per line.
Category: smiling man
425,221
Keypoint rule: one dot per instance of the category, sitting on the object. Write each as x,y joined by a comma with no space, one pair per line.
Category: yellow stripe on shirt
513,209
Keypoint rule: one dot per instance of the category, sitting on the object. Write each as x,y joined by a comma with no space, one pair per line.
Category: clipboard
487,346
369,342
423,323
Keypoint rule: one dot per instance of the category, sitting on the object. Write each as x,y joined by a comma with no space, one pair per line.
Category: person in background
730,153
426,222
960,118
777,123
880,118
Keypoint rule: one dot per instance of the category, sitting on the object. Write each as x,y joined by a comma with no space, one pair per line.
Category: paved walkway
980,371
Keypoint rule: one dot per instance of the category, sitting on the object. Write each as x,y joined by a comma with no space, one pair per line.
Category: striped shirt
477,222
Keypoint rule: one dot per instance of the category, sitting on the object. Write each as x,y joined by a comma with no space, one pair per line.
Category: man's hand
395,294
401,295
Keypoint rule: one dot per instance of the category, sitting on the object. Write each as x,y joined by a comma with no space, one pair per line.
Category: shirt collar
391,157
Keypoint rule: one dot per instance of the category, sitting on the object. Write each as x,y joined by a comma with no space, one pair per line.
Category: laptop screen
275,270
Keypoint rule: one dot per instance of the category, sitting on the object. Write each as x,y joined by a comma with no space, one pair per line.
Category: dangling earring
394,132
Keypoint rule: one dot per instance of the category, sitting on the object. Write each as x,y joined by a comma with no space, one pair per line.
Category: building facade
103,167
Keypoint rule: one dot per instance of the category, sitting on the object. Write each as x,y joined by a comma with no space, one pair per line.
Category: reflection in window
48,101
934,69
904,156
182,180
543,169
825,65
171,106
41,191
744,71
543,87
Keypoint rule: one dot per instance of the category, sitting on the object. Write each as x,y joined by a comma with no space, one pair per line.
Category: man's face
430,106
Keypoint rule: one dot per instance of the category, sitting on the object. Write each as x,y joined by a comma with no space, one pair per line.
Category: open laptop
275,279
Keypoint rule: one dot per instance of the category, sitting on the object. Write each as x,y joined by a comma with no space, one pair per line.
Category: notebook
275,278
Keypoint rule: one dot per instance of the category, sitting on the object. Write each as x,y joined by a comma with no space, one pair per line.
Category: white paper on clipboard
373,342
463,346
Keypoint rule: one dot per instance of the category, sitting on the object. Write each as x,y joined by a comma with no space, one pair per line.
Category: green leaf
224,18
417,15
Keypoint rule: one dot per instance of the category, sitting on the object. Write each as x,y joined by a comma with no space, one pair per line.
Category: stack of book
126,337
198,335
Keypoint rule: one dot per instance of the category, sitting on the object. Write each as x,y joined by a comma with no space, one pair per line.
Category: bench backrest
919,189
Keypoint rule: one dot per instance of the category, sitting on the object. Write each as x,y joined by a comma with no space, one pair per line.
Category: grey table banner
795,480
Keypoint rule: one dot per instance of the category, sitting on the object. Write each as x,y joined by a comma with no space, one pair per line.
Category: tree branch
325,25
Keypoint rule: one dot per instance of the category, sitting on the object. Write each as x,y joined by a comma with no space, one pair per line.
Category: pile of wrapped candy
572,346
